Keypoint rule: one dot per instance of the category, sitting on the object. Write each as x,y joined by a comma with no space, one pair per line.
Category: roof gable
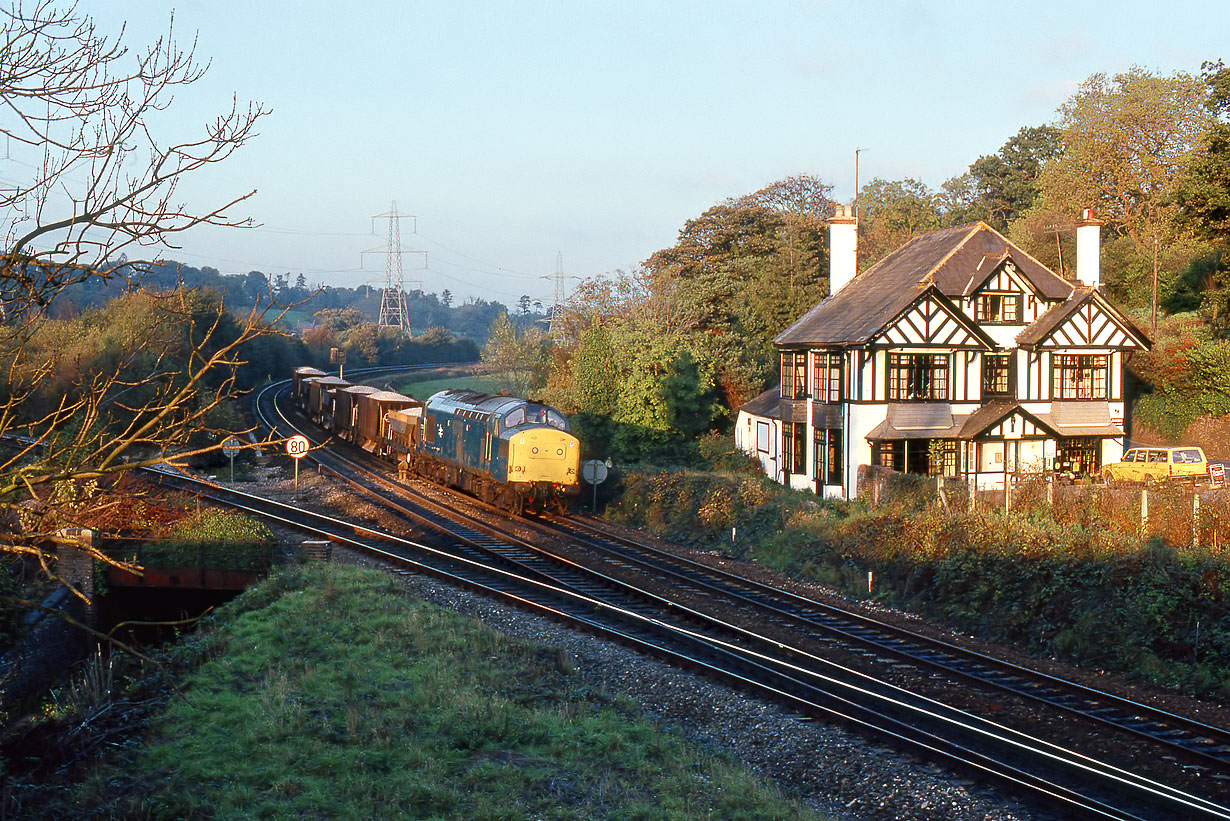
1004,419
999,273
1085,320
932,320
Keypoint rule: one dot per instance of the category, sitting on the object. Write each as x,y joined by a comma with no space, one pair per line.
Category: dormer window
997,308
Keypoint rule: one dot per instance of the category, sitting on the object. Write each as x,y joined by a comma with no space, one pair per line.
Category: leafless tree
102,194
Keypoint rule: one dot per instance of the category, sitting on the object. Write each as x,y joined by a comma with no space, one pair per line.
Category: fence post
973,493
1144,511
1007,492
1050,491
1195,518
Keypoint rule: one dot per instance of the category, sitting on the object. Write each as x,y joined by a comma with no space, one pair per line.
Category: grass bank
1076,589
423,389
329,692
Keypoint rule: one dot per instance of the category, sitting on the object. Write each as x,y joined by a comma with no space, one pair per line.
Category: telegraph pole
857,151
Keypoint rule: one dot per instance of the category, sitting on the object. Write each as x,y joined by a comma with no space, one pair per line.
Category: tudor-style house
958,354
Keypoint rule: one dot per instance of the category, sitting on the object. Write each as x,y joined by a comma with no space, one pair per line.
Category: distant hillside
241,292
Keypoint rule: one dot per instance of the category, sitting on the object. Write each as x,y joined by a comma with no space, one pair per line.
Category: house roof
955,261
767,405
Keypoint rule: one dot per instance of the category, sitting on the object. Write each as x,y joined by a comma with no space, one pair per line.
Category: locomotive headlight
535,451
559,451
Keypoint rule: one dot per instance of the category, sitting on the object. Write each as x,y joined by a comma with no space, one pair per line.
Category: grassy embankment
1072,580
329,692
424,388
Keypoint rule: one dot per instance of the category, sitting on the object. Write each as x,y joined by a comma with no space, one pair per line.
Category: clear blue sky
518,130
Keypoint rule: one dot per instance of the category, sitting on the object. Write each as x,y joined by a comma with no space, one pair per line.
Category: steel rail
1160,790
950,737
1196,740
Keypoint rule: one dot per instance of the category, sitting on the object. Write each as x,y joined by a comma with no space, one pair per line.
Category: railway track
1204,745
601,603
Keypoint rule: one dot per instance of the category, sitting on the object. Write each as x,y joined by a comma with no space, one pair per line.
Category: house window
794,447
930,457
794,375
1079,376
827,456
917,376
1080,455
888,454
993,308
826,376
997,375
762,437
942,457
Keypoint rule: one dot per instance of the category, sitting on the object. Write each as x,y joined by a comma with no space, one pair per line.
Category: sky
525,134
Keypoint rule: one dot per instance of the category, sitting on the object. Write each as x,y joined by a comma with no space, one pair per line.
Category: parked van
1153,465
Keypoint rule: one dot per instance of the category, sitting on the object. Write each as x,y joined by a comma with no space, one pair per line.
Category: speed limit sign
298,446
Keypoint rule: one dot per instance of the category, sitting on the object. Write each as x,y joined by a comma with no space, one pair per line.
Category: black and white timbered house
958,355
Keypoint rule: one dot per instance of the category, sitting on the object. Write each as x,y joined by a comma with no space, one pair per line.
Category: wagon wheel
1150,482
1109,478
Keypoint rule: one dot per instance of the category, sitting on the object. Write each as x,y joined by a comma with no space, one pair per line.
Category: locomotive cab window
515,417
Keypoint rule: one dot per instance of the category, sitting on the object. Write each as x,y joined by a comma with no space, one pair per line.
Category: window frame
794,374
1071,371
827,456
1004,373
826,376
1007,308
907,373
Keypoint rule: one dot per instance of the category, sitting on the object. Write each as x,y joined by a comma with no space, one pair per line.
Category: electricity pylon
393,311
555,326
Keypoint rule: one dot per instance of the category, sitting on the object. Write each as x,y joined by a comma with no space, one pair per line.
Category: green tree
1202,196
1127,140
517,358
1000,187
891,213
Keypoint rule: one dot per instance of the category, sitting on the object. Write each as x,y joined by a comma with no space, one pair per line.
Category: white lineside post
1195,518
1144,511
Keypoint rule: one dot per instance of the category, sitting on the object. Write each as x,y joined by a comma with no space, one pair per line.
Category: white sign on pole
593,472
298,446
231,447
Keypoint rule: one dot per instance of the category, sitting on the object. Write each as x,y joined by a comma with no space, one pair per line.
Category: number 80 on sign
298,446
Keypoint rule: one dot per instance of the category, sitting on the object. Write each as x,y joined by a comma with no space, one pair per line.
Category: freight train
512,453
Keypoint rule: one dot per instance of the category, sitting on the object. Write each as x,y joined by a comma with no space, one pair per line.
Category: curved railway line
776,644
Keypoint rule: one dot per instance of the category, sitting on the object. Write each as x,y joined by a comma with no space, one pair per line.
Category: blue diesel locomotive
509,452
506,451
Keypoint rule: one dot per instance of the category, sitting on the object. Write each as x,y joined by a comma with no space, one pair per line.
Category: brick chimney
843,247
1089,249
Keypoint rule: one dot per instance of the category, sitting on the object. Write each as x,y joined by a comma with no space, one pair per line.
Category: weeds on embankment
1072,577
